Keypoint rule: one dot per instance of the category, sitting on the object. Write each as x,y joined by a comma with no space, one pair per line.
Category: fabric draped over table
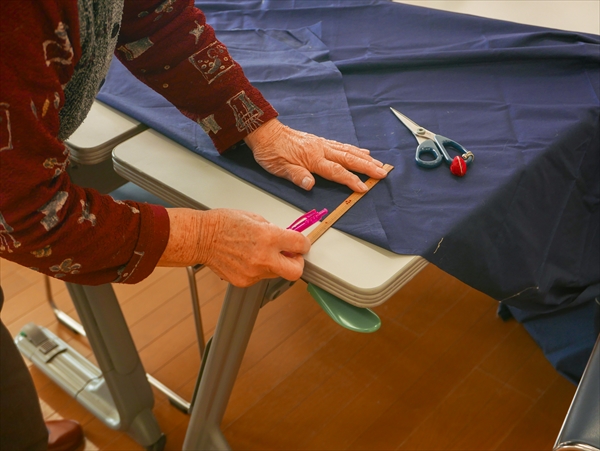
523,225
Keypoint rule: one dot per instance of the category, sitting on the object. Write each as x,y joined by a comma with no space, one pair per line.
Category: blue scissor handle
437,149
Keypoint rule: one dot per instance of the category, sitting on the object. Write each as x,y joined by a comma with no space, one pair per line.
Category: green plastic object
346,315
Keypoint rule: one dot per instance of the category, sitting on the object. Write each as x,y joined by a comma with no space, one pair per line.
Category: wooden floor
443,372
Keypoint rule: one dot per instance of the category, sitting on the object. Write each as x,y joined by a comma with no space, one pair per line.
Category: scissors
436,146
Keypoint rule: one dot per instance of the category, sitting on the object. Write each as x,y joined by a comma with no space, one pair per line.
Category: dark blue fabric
566,336
522,226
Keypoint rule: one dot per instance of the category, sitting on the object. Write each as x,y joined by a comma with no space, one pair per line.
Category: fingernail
362,187
306,181
381,172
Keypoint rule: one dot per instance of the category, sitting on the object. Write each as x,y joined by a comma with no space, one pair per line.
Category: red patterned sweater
46,222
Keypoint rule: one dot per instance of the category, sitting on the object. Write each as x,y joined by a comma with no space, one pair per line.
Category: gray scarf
99,22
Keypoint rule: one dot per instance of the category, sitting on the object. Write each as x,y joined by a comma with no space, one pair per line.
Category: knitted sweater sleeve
168,45
46,222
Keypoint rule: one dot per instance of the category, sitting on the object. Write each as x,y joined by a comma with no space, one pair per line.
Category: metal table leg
119,362
174,398
237,318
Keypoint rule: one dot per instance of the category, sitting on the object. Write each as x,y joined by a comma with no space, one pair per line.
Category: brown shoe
64,435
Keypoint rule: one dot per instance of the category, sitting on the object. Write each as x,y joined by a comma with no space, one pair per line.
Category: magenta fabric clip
307,219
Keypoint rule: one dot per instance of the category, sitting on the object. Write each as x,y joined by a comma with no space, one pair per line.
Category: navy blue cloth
566,336
292,70
523,225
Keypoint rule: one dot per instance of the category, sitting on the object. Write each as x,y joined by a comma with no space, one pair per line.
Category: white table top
103,128
183,178
351,269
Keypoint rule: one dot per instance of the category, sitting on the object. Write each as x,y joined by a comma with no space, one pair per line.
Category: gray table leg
111,341
237,318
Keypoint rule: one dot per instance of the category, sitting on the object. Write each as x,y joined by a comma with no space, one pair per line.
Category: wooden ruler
336,214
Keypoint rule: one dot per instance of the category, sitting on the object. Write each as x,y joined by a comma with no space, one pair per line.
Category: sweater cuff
154,235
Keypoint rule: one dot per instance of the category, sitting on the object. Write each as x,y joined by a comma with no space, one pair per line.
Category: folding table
349,268
355,271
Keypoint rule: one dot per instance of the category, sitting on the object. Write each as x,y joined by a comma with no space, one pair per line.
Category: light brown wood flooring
443,372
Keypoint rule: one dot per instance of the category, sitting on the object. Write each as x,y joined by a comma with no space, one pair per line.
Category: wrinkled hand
243,248
294,155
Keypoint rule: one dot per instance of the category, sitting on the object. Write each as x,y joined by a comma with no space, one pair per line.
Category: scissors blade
421,134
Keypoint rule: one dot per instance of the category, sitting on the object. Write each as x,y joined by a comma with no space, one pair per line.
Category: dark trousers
21,422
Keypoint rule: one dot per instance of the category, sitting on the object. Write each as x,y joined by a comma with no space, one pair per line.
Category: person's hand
294,155
240,247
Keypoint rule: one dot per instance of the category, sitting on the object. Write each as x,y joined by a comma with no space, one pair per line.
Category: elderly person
55,54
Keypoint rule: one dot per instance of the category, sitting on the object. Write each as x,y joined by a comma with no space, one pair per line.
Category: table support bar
119,362
236,321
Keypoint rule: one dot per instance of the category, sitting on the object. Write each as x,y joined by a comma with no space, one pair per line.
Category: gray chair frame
581,428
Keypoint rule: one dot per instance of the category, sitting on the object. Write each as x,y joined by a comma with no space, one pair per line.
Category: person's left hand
294,155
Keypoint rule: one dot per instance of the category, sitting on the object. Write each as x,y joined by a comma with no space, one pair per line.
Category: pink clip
307,219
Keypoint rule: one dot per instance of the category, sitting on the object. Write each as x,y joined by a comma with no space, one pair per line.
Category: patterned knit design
99,22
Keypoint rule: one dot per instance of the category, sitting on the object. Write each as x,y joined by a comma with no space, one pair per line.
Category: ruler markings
336,214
